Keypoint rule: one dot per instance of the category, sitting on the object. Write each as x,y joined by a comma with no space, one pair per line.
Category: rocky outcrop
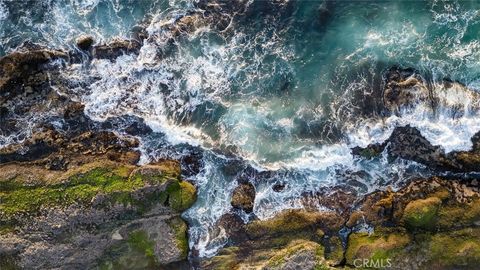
408,143
71,194
406,88
16,69
428,223
102,213
243,197
116,48
291,239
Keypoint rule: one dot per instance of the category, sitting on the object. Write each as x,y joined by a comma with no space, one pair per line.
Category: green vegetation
180,228
458,248
115,183
383,244
422,214
459,214
280,257
137,252
139,241
181,195
82,188
335,254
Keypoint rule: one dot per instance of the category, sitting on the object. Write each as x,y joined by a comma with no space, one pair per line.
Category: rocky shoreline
72,195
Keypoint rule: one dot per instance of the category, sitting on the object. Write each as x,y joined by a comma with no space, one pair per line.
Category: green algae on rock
422,214
113,183
382,244
128,214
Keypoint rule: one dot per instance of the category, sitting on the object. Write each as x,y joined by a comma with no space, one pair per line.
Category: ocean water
278,97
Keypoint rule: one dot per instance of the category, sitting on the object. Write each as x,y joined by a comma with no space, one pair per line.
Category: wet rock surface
428,222
409,144
84,42
71,194
116,48
243,197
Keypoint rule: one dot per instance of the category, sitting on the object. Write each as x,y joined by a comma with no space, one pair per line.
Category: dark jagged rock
408,143
131,125
24,68
404,88
85,42
278,187
243,197
116,48
191,163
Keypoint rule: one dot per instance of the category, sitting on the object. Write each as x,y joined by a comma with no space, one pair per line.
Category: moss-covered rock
383,244
297,255
453,250
148,245
115,185
179,227
422,214
181,195
459,215
137,252
226,259
335,251
295,221
130,214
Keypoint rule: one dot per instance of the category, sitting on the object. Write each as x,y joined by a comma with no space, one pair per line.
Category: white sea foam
250,75
3,11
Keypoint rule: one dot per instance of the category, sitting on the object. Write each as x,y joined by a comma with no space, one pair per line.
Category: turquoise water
289,87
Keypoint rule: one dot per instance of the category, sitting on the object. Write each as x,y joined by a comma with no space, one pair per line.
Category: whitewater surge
271,92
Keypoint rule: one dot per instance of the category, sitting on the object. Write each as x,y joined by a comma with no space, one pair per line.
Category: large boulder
116,48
